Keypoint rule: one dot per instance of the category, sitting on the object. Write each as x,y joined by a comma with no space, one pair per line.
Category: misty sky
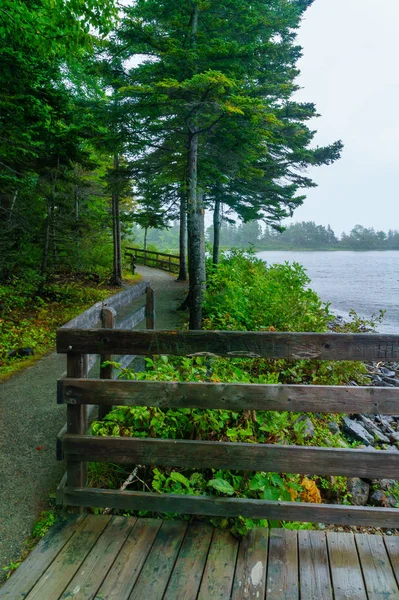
350,70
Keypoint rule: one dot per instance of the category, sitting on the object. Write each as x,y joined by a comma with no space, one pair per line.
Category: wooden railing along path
157,260
129,558
78,448
105,314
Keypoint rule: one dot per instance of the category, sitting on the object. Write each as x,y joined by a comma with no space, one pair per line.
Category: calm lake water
364,281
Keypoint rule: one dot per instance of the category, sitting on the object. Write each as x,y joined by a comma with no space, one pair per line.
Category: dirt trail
30,420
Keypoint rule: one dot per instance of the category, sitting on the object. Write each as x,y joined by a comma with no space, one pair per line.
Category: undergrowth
243,293
29,320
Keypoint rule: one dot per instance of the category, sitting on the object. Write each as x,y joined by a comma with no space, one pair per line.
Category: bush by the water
243,294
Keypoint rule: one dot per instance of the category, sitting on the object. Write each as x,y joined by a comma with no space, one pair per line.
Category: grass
27,321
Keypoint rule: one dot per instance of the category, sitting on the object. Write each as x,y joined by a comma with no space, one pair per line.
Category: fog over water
364,281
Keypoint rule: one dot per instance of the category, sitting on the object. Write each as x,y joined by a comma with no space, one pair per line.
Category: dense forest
155,111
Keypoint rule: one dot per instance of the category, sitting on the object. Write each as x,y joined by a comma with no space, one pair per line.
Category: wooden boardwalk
104,558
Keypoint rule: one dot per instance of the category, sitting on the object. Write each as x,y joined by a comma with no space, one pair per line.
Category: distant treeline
305,235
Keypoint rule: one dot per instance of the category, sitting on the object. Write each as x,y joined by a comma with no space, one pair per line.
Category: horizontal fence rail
234,396
151,258
231,507
228,455
233,344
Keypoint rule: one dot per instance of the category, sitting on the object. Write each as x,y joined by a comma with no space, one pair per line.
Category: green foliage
45,521
30,321
244,293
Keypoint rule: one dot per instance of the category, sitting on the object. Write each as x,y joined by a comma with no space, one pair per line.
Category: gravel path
30,420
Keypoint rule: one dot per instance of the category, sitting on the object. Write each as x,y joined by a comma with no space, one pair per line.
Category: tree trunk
145,237
183,238
116,278
217,222
46,245
195,237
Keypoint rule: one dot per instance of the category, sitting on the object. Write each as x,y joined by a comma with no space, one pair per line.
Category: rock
373,430
377,498
385,423
386,484
394,437
380,498
19,352
359,489
341,443
333,427
385,384
392,381
356,431
307,427
387,372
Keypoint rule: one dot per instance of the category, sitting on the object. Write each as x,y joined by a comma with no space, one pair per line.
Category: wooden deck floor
119,558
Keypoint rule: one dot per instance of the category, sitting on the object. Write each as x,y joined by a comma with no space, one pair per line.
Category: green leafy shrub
243,294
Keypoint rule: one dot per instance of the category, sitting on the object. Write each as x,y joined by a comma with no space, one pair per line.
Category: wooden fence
77,392
105,314
158,260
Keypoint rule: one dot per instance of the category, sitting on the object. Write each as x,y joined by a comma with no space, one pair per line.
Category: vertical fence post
77,367
150,308
108,319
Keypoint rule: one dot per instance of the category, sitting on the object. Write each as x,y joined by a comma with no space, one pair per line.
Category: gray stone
356,431
333,427
381,498
386,484
387,372
307,427
373,430
359,490
394,437
377,498
391,380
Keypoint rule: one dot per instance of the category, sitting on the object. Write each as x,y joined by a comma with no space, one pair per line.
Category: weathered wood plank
93,570
217,580
127,296
150,308
126,568
106,370
251,567
77,419
132,320
187,573
154,252
59,492
227,455
377,571
63,568
158,567
392,546
88,319
33,567
232,396
320,346
282,570
314,572
345,568
234,507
